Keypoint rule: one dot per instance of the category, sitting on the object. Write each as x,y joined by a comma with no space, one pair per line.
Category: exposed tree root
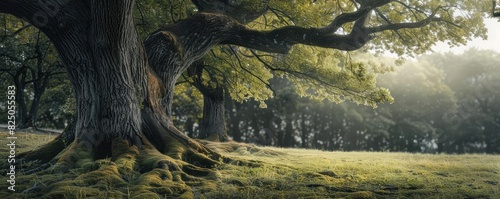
181,170
46,153
128,172
232,146
240,149
168,166
84,168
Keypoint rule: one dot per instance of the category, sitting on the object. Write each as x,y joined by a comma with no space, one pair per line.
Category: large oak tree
124,86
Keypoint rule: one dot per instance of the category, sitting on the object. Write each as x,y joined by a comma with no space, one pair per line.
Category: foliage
151,15
332,74
188,102
30,63
474,77
58,104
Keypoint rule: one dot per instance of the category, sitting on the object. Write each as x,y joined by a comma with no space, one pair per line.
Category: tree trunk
213,122
255,125
235,119
22,109
305,132
280,137
189,127
289,140
35,105
491,137
119,113
40,82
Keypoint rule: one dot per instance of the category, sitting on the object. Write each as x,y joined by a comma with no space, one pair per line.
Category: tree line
444,103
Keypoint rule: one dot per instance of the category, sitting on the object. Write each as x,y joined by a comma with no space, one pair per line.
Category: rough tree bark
118,109
170,75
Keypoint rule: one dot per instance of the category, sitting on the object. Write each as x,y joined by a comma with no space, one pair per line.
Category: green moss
150,159
155,178
187,195
175,150
82,192
72,157
146,195
362,195
107,174
124,155
92,166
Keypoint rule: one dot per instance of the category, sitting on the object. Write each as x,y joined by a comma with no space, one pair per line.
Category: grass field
301,173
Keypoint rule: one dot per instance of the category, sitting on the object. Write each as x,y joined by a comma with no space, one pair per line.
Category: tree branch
42,14
282,39
181,44
398,26
311,77
366,7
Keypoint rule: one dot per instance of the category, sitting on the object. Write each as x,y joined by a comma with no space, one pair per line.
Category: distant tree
495,11
421,99
474,77
30,62
58,104
212,125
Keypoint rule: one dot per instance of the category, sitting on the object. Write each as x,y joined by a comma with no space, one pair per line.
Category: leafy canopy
325,73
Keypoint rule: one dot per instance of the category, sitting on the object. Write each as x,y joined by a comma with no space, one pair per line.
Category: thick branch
398,26
45,15
366,7
281,40
23,9
187,41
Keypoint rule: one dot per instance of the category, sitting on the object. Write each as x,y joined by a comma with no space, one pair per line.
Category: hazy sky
493,42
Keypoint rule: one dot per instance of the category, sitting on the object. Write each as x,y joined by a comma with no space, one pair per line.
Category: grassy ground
300,173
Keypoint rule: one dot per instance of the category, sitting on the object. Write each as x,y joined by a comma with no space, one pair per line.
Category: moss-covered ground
265,172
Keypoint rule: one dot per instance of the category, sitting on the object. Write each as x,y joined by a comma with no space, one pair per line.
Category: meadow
268,172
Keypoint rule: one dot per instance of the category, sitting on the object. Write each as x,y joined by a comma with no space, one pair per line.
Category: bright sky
493,42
